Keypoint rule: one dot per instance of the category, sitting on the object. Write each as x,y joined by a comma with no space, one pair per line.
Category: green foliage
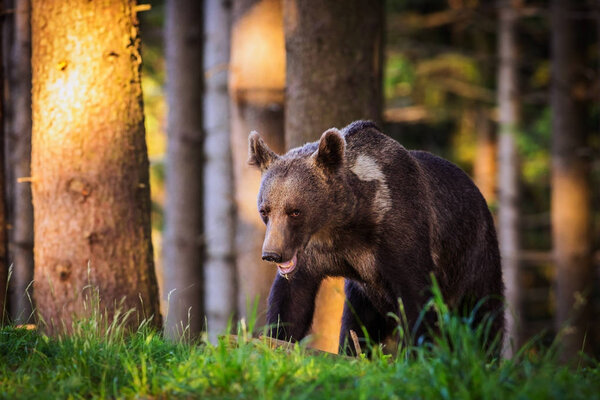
399,76
153,78
99,359
534,146
444,84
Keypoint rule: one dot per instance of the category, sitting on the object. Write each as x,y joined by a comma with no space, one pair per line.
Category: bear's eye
294,213
264,213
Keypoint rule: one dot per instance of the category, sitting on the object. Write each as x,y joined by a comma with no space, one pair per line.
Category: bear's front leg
360,316
292,305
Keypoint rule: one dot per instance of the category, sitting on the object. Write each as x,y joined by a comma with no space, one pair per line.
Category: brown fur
359,205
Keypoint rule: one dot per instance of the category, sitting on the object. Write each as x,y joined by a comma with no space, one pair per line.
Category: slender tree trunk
183,246
508,169
219,217
570,210
256,85
91,193
3,221
333,77
485,168
19,155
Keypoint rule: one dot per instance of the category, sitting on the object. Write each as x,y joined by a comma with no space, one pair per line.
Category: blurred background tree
183,240
256,90
17,142
571,185
509,121
219,210
3,215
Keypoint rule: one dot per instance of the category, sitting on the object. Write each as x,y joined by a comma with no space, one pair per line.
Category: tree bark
183,246
18,142
333,73
91,193
570,201
333,77
3,220
256,88
508,169
219,216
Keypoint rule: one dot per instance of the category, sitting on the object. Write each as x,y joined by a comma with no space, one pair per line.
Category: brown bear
356,204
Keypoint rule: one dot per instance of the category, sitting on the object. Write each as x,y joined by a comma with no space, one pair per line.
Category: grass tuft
101,359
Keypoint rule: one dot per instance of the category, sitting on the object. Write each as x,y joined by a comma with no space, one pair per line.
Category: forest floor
98,360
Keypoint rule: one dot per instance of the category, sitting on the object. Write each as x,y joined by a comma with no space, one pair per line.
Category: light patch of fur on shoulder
367,169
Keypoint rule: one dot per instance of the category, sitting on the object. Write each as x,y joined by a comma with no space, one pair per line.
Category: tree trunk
183,246
18,142
485,168
3,221
219,217
508,169
570,206
333,77
91,193
256,85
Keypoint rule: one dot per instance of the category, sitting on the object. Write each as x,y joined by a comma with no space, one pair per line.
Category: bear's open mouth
288,266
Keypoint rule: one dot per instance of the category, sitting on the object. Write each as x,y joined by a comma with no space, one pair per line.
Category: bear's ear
259,153
330,155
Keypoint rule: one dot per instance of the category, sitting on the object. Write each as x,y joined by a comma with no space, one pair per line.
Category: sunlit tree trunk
91,193
333,77
485,166
508,168
183,244
570,210
256,84
18,142
219,217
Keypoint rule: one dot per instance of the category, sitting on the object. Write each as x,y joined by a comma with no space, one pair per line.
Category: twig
354,337
142,7
24,179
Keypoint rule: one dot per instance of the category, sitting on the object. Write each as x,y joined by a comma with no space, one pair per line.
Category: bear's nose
271,256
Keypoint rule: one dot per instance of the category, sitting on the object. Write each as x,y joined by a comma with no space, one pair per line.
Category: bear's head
298,194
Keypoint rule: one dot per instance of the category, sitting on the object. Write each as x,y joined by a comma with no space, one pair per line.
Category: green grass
101,360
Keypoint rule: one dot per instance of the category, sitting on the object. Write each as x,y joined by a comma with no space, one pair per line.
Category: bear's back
440,194
448,184
364,138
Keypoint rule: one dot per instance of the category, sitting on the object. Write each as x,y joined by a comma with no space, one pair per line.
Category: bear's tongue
287,267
